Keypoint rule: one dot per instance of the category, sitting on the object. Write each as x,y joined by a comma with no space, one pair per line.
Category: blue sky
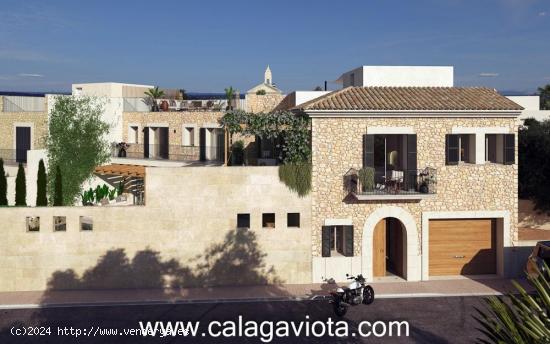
208,45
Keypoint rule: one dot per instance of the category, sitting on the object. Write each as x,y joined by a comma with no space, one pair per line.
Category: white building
398,76
531,105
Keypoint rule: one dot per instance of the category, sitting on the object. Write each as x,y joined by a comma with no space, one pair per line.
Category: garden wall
186,234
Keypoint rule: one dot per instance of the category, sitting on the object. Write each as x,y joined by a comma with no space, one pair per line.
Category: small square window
59,223
243,220
293,220
33,223
268,220
86,223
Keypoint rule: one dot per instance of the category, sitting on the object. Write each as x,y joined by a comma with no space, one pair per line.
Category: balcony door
387,153
22,143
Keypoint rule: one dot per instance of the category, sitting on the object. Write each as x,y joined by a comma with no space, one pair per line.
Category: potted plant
122,148
230,96
366,178
428,180
120,191
154,94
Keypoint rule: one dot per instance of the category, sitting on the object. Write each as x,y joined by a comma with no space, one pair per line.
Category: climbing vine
293,128
295,147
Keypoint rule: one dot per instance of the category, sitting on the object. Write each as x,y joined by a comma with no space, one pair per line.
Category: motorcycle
357,293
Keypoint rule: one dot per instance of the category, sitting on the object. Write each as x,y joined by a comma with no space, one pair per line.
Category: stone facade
38,121
337,147
263,103
189,211
174,120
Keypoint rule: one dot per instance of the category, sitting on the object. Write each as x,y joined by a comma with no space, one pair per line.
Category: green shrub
260,92
366,177
58,188
20,187
3,185
297,177
41,185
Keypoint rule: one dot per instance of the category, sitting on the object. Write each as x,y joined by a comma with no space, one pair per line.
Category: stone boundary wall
190,212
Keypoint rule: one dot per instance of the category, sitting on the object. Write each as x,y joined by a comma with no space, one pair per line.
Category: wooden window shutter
348,241
509,149
411,152
325,241
452,148
368,150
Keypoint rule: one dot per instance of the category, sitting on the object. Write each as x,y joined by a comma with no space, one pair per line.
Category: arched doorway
389,248
413,270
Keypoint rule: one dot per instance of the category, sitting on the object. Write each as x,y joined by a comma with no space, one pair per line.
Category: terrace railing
168,152
23,104
13,156
392,184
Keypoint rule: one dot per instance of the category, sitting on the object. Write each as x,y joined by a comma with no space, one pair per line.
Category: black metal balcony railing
168,152
13,156
392,182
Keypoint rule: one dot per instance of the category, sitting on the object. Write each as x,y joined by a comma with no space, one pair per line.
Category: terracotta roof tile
412,99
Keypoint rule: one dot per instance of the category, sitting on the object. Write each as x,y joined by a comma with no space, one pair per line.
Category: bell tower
268,78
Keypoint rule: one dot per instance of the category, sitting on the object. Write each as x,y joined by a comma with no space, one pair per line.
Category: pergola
137,171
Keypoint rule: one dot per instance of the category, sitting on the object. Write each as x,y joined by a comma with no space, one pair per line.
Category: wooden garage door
462,247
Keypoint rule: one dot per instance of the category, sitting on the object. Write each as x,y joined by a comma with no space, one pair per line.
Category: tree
155,93
58,188
3,185
522,318
544,93
20,187
41,185
230,96
76,143
534,163
318,88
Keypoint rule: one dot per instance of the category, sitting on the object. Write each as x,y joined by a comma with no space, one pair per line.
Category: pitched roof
412,99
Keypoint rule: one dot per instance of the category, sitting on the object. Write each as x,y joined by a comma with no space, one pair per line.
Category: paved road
431,320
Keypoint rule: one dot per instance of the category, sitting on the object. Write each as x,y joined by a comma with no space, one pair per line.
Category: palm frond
518,318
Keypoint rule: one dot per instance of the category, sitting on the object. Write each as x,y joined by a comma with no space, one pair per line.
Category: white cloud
542,14
31,75
488,75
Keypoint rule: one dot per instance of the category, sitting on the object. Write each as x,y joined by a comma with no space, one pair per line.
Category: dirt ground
528,217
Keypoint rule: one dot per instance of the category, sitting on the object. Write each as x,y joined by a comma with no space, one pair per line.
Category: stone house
413,182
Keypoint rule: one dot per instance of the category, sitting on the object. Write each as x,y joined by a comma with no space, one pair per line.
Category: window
189,136
243,220
268,220
500,148
86,223
293,220
59,223
460,148
337,241
33,223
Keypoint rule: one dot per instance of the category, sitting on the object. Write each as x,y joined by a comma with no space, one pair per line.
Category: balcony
366,185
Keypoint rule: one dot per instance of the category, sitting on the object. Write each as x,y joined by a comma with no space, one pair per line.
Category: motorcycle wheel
368,295
340,310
